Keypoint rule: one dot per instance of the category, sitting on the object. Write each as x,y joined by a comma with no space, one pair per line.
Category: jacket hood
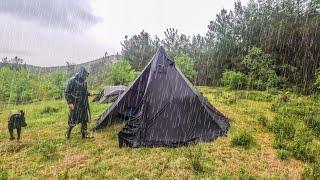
82,73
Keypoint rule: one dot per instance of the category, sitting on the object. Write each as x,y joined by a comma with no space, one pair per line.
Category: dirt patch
73,158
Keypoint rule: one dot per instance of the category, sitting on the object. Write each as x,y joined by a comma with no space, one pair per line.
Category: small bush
302,146
312,171
186,64
121,73
282,154
262,74
294,111
255,83
263,120
49,110
284,132
283,128
234,80
281,143
243,139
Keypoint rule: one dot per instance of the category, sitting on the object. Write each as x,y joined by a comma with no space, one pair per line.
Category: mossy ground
45,153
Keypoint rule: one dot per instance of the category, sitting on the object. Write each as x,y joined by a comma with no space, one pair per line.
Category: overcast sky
51,32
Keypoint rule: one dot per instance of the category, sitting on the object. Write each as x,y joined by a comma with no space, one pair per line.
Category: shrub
20,85
243,139
275,81
283,128
16,85
234,80
262,73
256,84
280,143
121,73
294,111
312,171
302,146
186,65
284,132
56,86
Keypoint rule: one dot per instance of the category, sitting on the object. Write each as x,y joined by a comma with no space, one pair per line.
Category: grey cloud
73,15
4,50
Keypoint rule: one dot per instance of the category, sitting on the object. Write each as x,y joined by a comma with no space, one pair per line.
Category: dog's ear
22,112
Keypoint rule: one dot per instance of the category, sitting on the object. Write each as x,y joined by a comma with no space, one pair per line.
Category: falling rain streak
254,75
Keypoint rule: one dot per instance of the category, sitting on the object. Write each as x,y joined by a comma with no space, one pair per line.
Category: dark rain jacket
76,93
16,120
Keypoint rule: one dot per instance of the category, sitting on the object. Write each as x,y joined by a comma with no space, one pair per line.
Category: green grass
44,152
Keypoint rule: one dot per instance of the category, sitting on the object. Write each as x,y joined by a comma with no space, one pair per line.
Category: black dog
16,120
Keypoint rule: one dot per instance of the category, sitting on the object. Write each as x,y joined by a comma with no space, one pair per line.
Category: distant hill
92,66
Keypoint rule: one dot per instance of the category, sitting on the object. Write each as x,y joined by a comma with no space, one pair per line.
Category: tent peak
162,51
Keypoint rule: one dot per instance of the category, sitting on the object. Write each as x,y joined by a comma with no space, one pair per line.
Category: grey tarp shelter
162,108
110,94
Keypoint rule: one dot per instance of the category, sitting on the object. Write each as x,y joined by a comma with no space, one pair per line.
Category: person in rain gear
76,95
16,121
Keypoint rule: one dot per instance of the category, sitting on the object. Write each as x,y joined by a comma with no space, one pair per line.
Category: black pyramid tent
164,109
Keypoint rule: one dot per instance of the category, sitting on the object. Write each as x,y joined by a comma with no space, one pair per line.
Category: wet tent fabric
163,109
110,94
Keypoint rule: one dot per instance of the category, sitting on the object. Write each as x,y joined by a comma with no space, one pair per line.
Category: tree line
283,35
20,84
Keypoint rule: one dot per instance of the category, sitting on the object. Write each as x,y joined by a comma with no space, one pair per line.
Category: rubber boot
86,135
84,132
